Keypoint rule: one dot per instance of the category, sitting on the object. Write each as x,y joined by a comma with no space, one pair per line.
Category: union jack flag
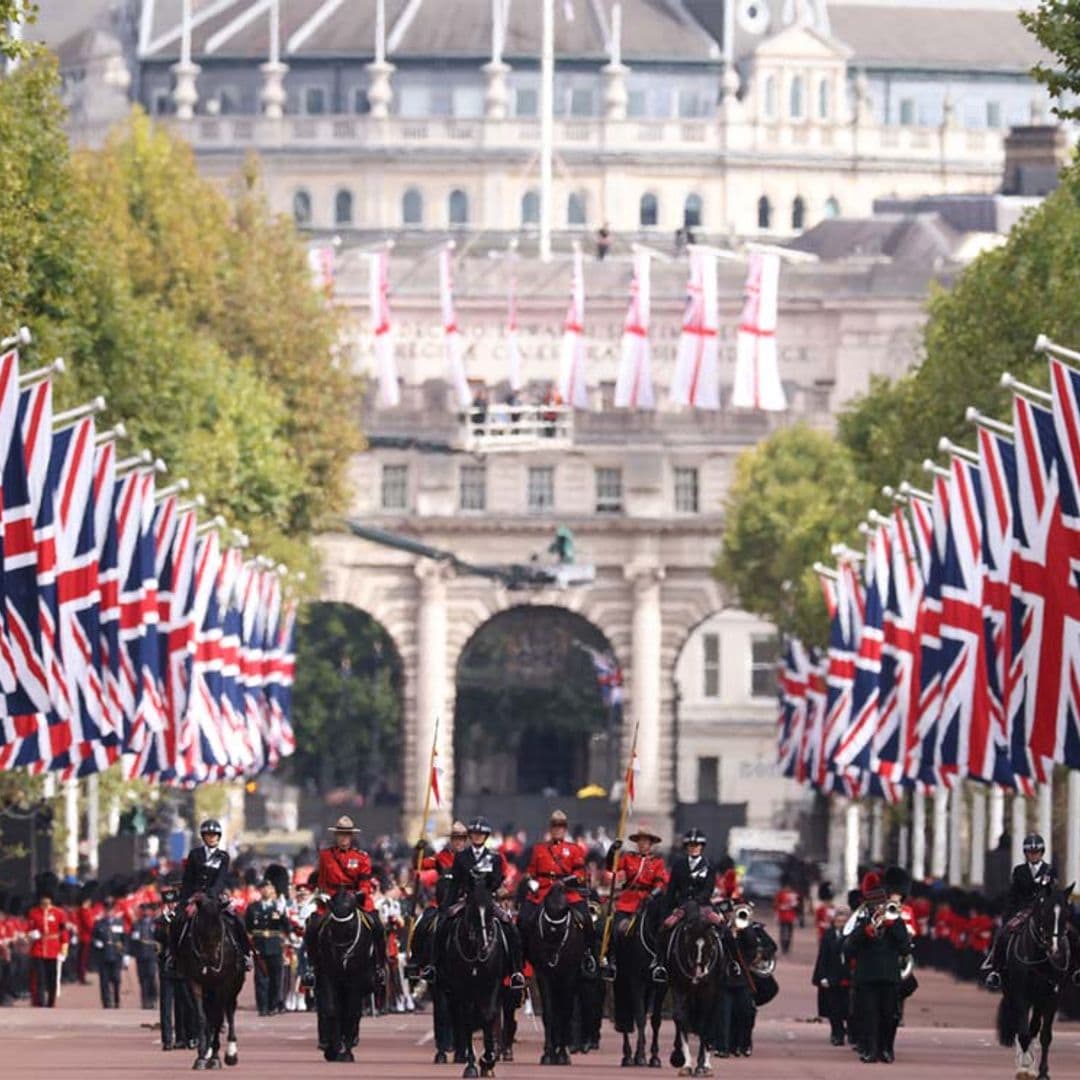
794,683
844,631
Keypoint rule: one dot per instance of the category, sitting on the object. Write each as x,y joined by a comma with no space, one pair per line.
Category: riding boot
514,959
379,939
993,963
311,934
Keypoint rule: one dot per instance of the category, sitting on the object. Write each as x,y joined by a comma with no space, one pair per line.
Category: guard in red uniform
345,866
442,863
559,859
640,874
786,903
48,942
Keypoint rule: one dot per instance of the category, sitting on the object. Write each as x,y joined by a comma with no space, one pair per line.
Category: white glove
35,935
824,984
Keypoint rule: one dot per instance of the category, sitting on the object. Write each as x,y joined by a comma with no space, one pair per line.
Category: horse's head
555,903
698,948
203,909
342,905
1050,914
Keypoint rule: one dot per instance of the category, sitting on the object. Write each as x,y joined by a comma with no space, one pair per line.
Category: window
609,491
343,208
710,666
360,103
708,780
635,103
832,207
691,216
412,207
526,102
301,207
686,490
823,104
690,104
798,213
541,490
575,209
993,114
228,101
581,102
795,98
907,111
764,212
314,100
161,103
440,101
530,208
469,101
764,655
459,207
473,487
769,96
648,211
395,487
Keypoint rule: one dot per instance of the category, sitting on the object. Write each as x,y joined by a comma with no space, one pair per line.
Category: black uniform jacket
204,871
1025,885
879,954
267,926
690,882
473,863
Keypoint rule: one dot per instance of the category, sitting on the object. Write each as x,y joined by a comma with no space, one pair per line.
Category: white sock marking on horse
231,1048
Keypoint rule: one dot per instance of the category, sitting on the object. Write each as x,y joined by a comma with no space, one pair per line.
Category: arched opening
824,106
301,207
649,211
458,207
343,208
832,207
412,207
538,713
769,95
764,212
692,211
795,104
576,213
530,208
347,710
798,212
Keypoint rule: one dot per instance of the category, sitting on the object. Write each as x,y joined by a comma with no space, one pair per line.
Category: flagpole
423,832
623,811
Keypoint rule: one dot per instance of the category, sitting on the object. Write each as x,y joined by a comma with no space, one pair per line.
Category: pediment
799,42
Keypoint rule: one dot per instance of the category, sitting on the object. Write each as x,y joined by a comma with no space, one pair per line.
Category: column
1019,827
956,837
93,809
939,862
877,831
614,71
851,845
185,93
71,826
1072,836
431,628
1045,800
918,835
380,92
273,71
995,825
978,836
645,684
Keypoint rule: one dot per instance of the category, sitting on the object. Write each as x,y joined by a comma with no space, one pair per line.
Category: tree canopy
1056,24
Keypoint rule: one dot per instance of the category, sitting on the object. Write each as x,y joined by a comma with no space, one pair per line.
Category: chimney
1034,156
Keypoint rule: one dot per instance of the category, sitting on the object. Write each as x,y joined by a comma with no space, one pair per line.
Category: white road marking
428,1037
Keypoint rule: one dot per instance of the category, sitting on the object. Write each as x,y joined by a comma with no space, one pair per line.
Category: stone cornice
466,524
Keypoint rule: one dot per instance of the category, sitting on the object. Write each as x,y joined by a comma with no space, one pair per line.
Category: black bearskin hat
825,892
897,881
278,876
46,884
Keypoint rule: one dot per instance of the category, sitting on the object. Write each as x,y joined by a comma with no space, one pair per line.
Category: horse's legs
1046,1034
627,1054
203,1050
232,1054
487,1062
703,1066
657,1018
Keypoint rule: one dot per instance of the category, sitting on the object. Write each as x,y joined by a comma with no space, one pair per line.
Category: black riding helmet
1034,842
480,825
694,836
210,825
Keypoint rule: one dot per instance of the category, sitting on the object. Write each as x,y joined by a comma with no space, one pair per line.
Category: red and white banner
634,385
382,328
455,363
697,381
757,374
572,386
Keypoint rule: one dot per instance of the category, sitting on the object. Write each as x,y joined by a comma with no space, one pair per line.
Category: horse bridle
691,977
342,919
1049,951
564,922
484,952
206,967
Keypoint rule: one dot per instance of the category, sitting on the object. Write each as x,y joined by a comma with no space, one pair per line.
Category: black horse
211,961
638,999
694,957
470,957
555,945
345,957
1041,953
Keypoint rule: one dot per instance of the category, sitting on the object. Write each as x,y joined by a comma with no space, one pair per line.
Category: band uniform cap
558,817
344,824
643,832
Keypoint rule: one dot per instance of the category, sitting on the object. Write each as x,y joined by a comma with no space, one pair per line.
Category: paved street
947,1034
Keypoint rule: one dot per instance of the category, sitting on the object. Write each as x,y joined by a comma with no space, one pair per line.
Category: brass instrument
742,917
854,919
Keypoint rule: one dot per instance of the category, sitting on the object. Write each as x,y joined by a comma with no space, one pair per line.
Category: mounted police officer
693,877
1029,878
476,862
206,871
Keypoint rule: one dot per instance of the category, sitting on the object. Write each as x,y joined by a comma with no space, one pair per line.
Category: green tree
11,12
794,495
1056,24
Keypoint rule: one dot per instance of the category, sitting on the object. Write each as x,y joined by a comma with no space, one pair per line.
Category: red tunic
640,874
982,932
907,913
348,868
786,903
441,862
823,917
556,860
921,906
48,931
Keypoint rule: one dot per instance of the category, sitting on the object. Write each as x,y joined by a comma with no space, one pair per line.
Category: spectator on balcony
553,400
603,242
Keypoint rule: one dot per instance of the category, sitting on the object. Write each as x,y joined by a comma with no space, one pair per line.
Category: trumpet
741,917
888,912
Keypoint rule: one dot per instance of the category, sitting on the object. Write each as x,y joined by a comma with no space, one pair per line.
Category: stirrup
427,973
992,981
588,964
307,980
517,981
659,974
607,971
249,962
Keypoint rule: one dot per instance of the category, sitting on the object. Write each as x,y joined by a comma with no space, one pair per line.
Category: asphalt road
948,1033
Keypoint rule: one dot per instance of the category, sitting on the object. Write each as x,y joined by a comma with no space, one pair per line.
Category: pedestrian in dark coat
832,977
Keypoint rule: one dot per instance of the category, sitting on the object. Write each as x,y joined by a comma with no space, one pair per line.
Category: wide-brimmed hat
558,817
344,824
643,832
458,829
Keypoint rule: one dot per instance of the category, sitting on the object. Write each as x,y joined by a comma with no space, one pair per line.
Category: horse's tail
1006,1023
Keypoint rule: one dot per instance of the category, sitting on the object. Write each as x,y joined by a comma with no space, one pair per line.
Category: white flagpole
547,123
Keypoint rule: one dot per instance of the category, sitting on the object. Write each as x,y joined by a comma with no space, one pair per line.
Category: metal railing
492,428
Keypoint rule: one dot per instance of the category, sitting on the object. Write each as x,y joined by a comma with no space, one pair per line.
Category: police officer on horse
693,877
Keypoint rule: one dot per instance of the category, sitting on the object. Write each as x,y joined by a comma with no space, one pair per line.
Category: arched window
798,213
691,216
764,212
823,103
412,207
301,207
343,208
575,209
832,207
530,208
795,104
459,207
769,95
648,210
